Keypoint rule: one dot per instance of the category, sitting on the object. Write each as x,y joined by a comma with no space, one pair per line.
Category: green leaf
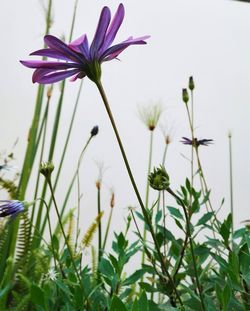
135,306
134,277
226,295
205,218
37,296
175,212
117,305
206,197
143,302
148,287
106,268
158,216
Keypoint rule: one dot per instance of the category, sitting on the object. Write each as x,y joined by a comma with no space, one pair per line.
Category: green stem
44,129
36,239
144,211
147,191
107,229
55,128
191,245
231,180
73,179
63,232
99,224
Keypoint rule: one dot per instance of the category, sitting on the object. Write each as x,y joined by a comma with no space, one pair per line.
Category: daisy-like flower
79,59
11,208
196,142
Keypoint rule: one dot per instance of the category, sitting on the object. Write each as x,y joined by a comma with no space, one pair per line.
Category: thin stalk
99,224
201,174
44,129
165,154
191,246
192,149
163,164
147,190
36,240
107,229
231,179
164,222
73,179
144,211
67,140
63,232
55,128
51,239
205,185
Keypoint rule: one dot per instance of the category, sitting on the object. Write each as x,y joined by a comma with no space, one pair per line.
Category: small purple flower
196,142
80,59
10,208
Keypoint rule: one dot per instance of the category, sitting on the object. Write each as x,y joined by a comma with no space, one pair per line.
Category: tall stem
191,246
144,211
99,224
63,232
231,179
147,190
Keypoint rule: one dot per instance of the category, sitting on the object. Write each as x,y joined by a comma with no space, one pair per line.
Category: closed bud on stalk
159,179
185,96
94,131
191,84
112,200
46,168
49,92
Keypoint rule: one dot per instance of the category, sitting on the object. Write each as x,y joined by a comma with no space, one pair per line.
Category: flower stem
191,246
63,232
99,224
147,191
231,180
144,211
107,229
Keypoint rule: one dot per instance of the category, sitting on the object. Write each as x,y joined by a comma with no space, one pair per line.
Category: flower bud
185,96
49,92
112,200
159,179
94,131
191,84
46,168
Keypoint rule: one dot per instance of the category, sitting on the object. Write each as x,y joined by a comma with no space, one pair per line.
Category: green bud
159,179
191,84
46,168
185,96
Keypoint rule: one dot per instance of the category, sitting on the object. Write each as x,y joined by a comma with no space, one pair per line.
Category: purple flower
10,208
79,59
196,142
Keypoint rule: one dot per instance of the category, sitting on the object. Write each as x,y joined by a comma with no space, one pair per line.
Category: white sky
208,39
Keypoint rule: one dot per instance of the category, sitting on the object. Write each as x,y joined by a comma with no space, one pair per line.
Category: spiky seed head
191,84
150,115
46,168
159,179
185,96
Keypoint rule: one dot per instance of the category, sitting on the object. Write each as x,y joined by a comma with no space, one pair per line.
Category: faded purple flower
10,208
196,142
78,58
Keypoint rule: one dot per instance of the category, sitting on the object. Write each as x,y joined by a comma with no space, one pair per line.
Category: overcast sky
208,39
